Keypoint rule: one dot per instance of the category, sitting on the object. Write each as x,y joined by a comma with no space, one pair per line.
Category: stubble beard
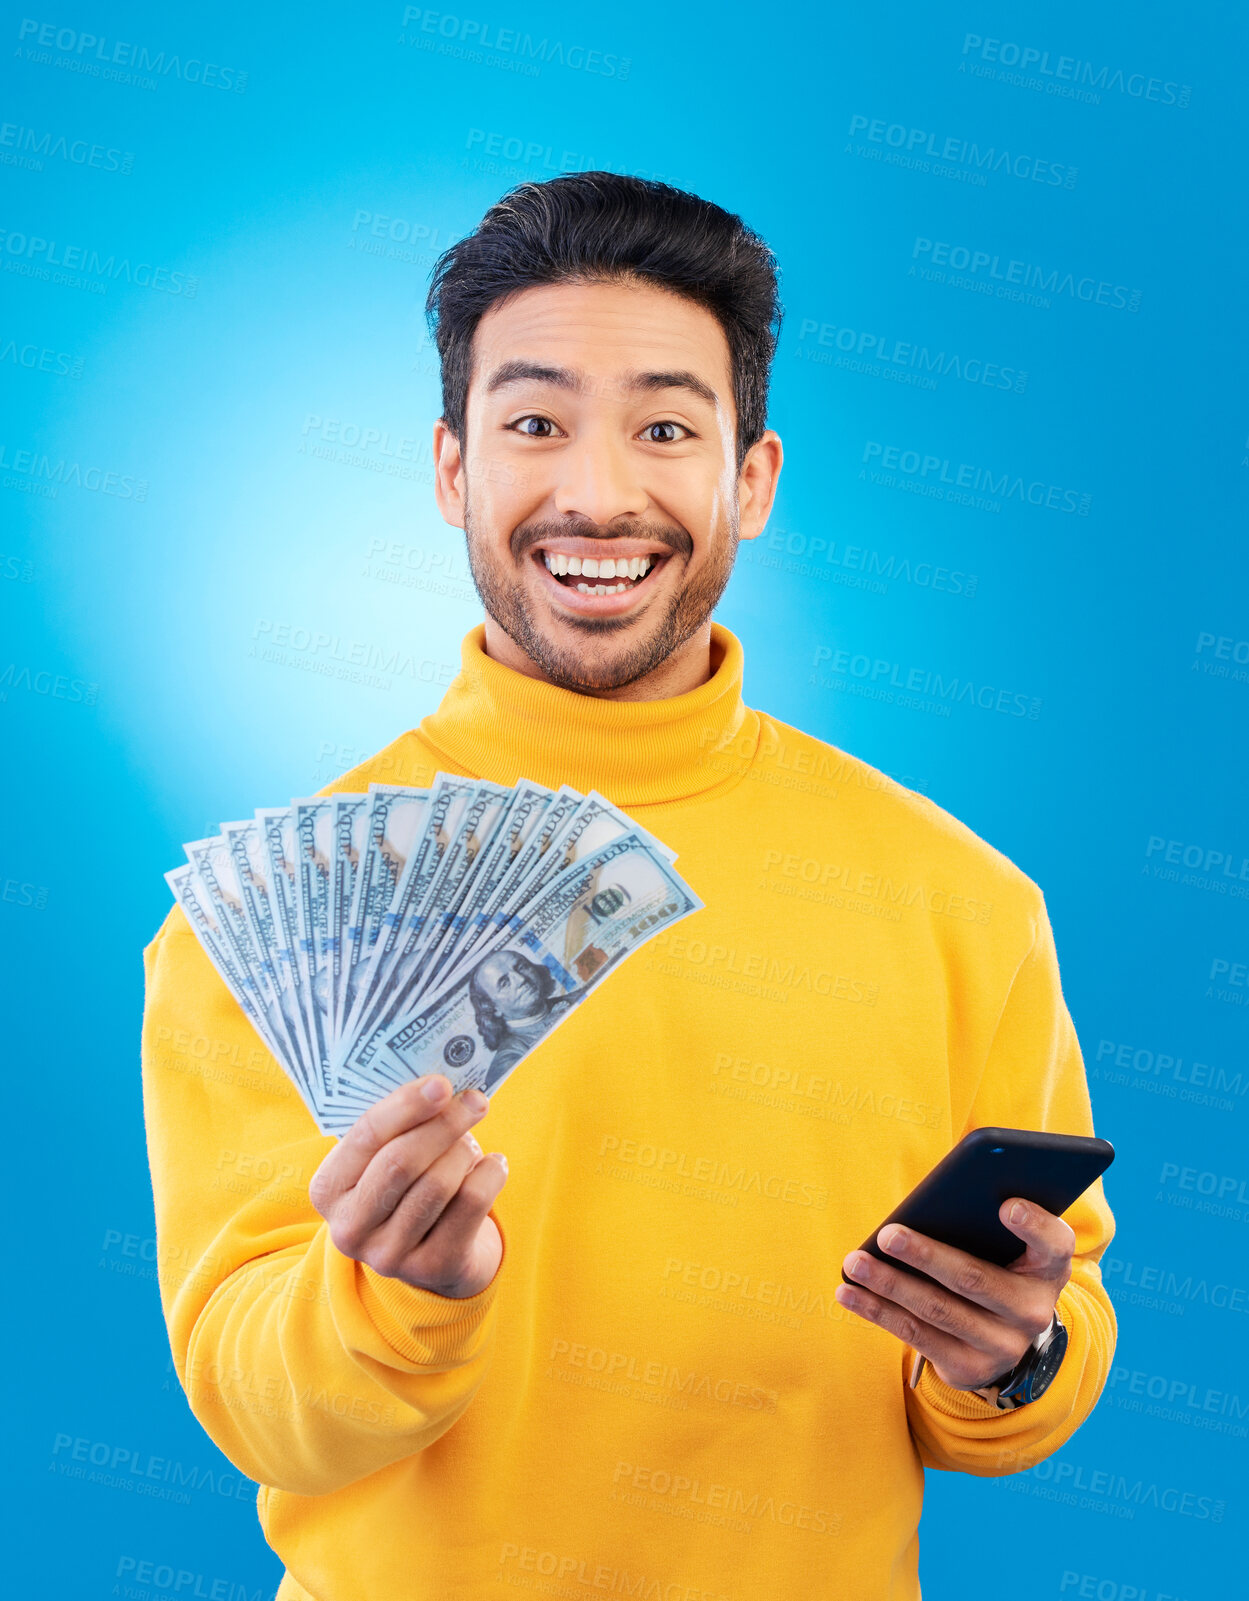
586,667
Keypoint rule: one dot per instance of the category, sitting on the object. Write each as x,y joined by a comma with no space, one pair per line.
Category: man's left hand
978,1320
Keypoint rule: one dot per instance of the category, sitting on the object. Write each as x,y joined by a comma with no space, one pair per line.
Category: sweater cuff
951,1403
426,1328
1057,1400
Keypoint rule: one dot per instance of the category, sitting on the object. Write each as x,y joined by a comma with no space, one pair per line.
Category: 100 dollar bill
596,912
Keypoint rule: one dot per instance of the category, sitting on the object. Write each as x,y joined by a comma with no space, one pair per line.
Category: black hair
600,226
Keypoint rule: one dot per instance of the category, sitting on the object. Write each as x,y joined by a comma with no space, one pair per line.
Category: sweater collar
497,724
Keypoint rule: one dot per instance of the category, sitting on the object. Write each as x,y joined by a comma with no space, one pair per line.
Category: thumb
1049,1241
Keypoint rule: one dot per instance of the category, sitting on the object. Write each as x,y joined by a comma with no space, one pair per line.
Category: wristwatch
1033,1374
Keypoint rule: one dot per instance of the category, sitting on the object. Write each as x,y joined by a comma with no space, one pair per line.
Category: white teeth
546,557
601,589
628,568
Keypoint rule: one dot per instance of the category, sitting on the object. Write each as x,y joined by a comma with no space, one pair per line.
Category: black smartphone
958,1202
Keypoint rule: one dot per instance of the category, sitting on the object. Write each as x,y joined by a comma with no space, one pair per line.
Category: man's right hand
407,1190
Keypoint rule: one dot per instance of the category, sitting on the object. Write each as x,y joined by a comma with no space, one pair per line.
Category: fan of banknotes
371,939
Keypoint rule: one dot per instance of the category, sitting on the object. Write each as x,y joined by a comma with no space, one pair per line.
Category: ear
448,475
756,484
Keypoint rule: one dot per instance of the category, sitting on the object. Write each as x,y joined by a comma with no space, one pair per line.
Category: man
660,1387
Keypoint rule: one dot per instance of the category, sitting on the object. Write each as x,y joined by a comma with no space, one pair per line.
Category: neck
685,669
505,723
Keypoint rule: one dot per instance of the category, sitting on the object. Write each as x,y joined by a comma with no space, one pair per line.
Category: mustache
527,535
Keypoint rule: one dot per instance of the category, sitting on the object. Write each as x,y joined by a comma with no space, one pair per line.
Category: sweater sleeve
308,1369
1033,1078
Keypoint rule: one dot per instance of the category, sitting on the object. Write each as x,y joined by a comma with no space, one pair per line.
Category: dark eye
535,427
661,433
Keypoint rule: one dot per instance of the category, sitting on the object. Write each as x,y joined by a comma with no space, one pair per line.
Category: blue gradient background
1111,620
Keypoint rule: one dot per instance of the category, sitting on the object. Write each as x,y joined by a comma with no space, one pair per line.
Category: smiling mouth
601,575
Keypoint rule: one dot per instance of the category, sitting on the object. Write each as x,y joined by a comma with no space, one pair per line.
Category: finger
404,1108
388,1247
983,1283
454,1236
398,1165
1050,1241
931,1304
957,1364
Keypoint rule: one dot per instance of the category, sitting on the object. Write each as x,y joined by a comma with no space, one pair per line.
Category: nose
599,479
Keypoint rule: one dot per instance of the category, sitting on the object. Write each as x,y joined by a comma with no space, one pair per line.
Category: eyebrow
519,371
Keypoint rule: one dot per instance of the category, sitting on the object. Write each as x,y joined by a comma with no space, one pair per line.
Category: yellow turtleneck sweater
658,1395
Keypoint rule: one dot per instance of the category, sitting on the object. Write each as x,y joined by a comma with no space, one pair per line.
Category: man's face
598,484
512,983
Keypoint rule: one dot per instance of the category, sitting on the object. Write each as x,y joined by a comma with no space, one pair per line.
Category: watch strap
1008,1391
